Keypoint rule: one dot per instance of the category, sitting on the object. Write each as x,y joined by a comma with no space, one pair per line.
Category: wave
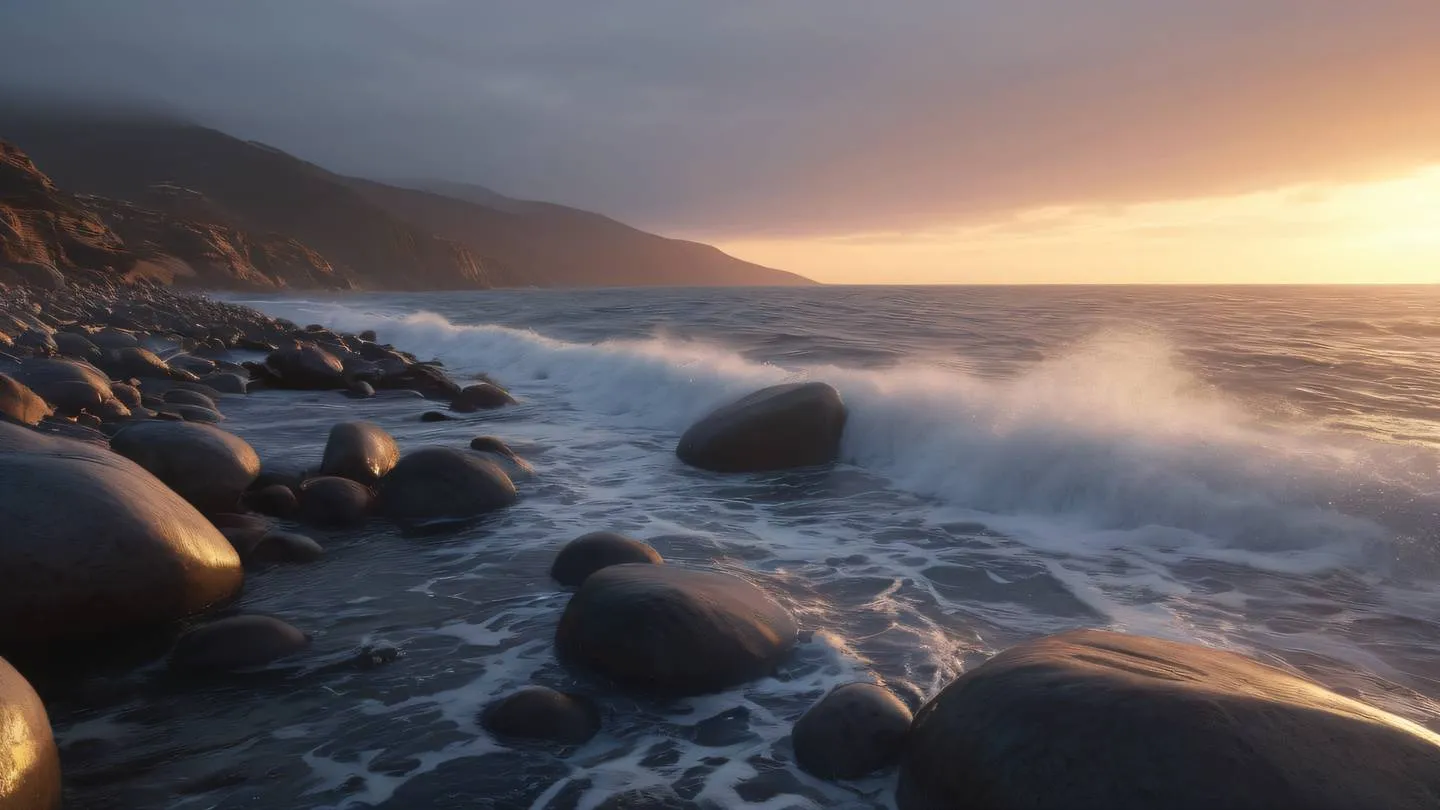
1115,442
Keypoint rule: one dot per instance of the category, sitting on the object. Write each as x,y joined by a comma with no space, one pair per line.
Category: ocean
1252,468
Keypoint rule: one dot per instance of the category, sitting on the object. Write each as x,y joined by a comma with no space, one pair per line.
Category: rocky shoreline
131,514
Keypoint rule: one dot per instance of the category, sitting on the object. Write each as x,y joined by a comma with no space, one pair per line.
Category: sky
853,141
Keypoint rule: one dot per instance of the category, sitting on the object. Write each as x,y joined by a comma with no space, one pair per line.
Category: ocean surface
1256,469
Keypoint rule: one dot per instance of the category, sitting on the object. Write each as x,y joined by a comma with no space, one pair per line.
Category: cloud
779,118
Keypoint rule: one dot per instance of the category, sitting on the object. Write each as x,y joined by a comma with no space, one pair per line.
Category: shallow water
1251,468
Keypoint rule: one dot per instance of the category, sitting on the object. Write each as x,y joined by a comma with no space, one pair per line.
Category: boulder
19,404
674,631
360,451
190,413
306,366
539,713
492,444
276,500
184,396
481,396
77,346
334,502
69,385
359,389
29,760
122,364
207,466
1098,719
435,416
127,394
228,383
589,553
441,483
236,643
284,547
136,555
781,427
857,729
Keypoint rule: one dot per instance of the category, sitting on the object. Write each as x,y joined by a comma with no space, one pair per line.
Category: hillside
367,233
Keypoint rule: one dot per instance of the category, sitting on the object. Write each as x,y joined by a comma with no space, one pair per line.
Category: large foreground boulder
674,631
94,544
207,466
360,451
29,761
776,428
441,483
1093,719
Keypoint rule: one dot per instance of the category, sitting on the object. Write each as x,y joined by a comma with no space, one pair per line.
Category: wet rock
334,502
207,466
359,389
29,760
19,404
441,483
539,713
141,363
227,383
481,396
276,500
428,380
136,554
111,338
368,335
702,631
77,346
127,395
198,366
191,413
589,553
307,367
1099,719
360,451
492,444
276,548
781,427
69,385
236,643
184,396
857,729
435,416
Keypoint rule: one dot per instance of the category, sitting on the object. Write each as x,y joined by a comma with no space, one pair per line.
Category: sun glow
1385,231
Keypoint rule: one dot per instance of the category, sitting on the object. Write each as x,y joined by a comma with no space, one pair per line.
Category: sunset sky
849,140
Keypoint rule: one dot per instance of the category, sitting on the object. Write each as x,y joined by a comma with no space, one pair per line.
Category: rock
435,416
111,338
855,730
138,362
184,396
334,502
135,555
368,335
276,500
236,643
428,380
781,427
244,539
360,451
538,713
492,444
359,389
207,466
191,413
29,760
68,385
589,553
77,346
1098,719
307,366
227,383
127,395
441,483
199,366
481,396
674,631
284,547
19,404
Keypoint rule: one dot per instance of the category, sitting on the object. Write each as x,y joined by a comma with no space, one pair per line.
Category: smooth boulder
591,552
19,404
856,729
236,643
776,428
277,548
134,554
481,396
674,631
360,451
276,500
1105,720
29,760
441,483
207,466
333,502
540,713
306,366
69,385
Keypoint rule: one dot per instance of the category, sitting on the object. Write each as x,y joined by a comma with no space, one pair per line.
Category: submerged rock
439,483
674,631
360,451
334,502
781,427
284,547
276,500
95,544
206,465
589,553
1099,719
856,729
539,713
236,643
29,760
